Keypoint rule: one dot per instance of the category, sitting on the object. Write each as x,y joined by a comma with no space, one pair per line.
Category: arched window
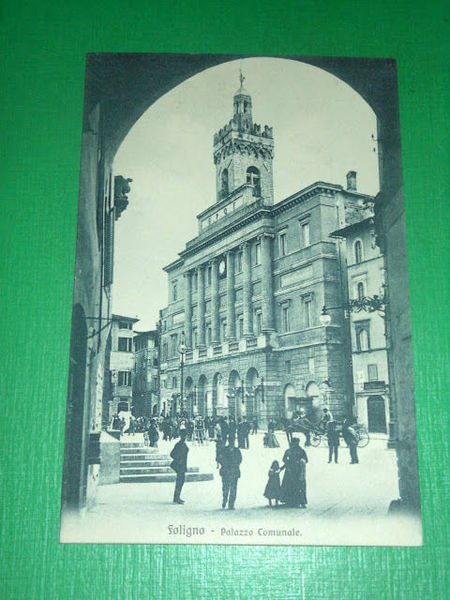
358,252
360,290
253,178
225,186
362,339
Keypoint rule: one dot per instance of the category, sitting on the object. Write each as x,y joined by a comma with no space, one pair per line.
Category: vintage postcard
241,361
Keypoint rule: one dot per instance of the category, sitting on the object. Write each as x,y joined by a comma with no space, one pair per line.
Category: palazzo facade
245,295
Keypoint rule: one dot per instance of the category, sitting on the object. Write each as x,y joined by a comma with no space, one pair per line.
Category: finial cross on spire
241,78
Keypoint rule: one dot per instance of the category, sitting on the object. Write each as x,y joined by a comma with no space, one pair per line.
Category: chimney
351,181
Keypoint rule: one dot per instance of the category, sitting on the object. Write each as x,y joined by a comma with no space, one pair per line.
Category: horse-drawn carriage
315,434
318,434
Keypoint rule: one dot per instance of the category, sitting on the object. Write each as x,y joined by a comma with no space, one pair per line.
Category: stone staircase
139,463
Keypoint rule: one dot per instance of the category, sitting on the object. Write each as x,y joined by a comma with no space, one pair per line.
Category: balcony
225,348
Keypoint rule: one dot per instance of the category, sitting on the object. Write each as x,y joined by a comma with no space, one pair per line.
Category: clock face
222,267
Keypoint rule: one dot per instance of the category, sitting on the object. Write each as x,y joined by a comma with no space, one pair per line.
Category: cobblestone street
347,504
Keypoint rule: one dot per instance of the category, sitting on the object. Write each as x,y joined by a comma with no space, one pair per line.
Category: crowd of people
198,429
286,483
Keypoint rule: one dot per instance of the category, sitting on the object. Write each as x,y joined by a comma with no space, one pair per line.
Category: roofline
125,318
285,204
171,266
149,332
339,233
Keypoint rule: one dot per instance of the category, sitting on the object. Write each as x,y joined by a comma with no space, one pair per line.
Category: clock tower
243,152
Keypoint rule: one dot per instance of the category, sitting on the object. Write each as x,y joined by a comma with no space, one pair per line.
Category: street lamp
369,304
182,351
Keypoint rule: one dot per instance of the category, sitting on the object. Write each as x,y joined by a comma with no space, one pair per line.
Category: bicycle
362,436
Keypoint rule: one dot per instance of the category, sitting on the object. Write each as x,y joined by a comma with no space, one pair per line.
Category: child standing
273,488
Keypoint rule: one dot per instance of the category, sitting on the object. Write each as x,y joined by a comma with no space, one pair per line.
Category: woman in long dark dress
293,487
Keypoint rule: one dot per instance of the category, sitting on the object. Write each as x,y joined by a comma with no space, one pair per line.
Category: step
130,452
132,444
164,478
154,462
138,448
151,470
157,461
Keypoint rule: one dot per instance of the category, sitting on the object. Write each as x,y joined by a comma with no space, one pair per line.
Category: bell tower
243,152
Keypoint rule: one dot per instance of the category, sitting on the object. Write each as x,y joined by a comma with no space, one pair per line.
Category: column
247,290
268,323
188,308
231,319
201,305
215,324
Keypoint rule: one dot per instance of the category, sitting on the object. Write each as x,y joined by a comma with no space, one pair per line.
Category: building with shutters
366,278
245,294
146,380
121,364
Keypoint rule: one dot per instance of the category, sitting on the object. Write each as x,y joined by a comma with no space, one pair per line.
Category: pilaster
231,317
268,323
247,290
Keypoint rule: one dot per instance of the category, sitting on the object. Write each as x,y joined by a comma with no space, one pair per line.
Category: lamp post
370,304
194,400
182,351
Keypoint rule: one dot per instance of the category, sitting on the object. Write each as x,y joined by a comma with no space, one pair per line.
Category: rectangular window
125,378
165,351
257,253
256,289
174,383
125,344
125,325
173,344
174,291
307,311
259,323
285,318
224,330
194,337
209,275
372,372
305,234
239,262
241,327
282,244
208,335
288,367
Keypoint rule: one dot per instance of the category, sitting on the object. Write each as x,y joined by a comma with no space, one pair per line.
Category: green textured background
43,48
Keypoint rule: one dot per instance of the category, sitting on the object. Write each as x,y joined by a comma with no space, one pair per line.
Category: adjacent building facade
146,376
366,278
245,294
121,364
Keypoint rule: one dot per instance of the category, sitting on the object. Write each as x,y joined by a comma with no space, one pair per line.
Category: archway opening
236,402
